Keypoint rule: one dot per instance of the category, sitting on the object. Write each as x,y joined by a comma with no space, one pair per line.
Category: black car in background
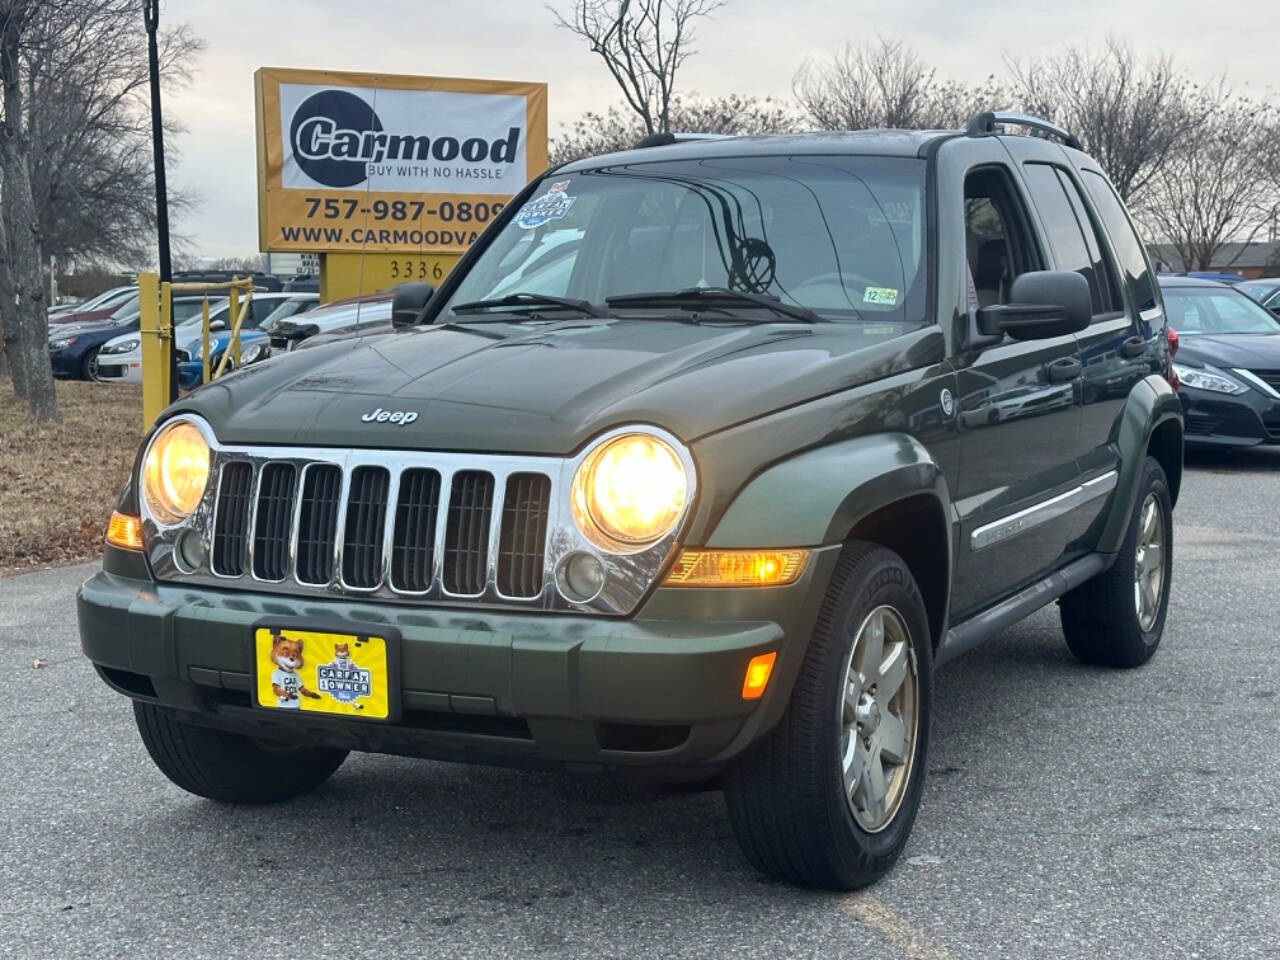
1228,362
1266,292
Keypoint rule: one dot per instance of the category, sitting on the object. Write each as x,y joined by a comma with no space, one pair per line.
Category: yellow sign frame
378,221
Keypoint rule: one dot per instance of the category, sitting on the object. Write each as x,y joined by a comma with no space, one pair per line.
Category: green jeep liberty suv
700,463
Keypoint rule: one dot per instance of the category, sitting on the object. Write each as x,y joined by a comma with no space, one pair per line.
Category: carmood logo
326,133
339,141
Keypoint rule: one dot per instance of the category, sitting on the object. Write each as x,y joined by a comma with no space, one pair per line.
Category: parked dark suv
767,430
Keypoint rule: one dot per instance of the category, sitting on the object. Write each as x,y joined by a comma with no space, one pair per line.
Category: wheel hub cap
868,714
1149,563
878,719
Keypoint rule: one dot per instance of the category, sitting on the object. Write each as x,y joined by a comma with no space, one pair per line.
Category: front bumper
661,692
1246,419
120,367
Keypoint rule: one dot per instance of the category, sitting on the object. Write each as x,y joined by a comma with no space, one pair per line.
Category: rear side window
1125,243
1071,232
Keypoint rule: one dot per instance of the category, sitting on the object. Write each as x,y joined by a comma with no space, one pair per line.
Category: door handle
1133,347
1068,368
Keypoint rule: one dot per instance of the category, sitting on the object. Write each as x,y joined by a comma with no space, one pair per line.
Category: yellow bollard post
204,340
153,320
233,311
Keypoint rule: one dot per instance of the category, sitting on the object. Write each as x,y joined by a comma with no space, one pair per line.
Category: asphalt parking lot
1070,812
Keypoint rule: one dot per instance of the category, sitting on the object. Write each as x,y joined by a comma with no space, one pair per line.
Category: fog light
190,551
580,577
124,531
757,677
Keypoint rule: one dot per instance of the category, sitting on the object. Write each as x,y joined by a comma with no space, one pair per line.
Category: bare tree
26,324
89,113
1133,116
1214,189
619,129
884,84
75,157
643,43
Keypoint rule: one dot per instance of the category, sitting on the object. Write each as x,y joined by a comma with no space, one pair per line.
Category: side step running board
963,637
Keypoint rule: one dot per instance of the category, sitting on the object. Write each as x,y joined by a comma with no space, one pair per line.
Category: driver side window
997,239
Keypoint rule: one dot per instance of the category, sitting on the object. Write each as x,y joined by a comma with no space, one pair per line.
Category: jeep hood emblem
401,417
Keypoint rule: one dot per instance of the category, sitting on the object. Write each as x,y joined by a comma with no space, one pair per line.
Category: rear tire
848,717
1117,618
230,767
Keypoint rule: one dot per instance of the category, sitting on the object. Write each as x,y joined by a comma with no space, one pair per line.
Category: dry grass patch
58,484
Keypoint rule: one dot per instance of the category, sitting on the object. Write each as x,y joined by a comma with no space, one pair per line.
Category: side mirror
408,302
1042,304
217,324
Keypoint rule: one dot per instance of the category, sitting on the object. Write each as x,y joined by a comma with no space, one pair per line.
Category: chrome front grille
369,528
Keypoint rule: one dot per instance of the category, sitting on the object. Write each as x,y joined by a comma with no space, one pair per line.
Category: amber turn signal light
737,568
757,677
124,531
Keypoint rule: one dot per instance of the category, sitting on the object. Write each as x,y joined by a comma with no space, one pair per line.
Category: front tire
1117,618
828,798
230,767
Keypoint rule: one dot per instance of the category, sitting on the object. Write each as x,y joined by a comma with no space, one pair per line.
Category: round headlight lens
175,472
629,492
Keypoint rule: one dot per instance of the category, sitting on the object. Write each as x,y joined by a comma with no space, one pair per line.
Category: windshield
127,310
842,236
1194,310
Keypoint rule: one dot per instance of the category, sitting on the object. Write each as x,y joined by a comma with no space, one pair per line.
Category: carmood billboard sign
374,162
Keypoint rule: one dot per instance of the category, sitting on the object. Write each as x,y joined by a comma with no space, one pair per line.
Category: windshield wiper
709,296
530,300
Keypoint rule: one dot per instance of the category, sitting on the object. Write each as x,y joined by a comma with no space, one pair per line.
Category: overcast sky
749,46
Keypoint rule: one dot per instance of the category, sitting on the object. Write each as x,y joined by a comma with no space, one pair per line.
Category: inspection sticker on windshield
552,205
887,296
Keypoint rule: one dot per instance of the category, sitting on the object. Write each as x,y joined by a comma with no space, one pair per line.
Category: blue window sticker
552,205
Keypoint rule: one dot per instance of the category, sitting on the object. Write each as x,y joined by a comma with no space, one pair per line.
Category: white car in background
350,316
120,359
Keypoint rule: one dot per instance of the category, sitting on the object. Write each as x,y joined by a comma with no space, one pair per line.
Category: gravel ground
1070,812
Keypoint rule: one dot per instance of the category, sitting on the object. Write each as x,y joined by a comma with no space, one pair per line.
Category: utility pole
151,17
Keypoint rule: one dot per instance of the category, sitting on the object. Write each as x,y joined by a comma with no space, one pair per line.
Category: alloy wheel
879,716
1148,563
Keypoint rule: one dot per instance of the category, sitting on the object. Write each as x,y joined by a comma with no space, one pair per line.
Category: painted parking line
895,929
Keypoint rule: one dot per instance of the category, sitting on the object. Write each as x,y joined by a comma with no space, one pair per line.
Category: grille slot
273,521
466,545
318,522
413,542
1270,377
522,540
366,523
231,525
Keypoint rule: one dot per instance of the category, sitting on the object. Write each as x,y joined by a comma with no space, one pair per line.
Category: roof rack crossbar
987,123
664,139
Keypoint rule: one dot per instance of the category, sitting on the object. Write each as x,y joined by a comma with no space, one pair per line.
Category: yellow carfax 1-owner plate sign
374,162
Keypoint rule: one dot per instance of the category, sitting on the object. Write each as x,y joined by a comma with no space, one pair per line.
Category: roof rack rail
986,123
664,139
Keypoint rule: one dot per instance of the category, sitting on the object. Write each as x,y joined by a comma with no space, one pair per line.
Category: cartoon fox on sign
286,683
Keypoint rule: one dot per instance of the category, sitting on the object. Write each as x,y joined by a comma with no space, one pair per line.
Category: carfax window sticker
884,296
552,205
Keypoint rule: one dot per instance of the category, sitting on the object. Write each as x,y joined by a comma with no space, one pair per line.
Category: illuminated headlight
1207,379
175,471
255,352
128,346
629,492
61,344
